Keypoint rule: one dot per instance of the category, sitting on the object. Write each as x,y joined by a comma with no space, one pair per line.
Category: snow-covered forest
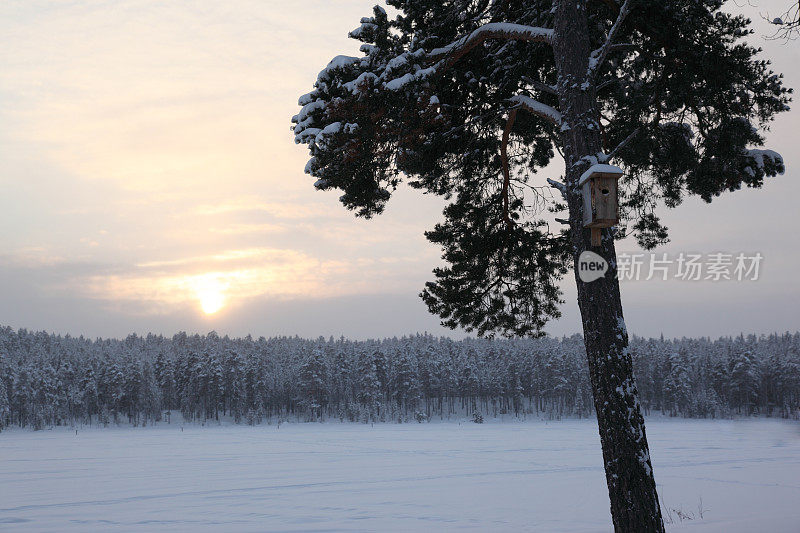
49,380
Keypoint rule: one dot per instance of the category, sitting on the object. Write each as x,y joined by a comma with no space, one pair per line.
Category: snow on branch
559,186
493,30
764,158
448,55
537,108
599,55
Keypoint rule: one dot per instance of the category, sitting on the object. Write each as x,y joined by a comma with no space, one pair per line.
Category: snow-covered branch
537,108
599,55
446,56
559,186
764,159
494,30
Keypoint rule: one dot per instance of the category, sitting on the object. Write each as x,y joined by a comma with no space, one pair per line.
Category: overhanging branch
448,55
620,146
494,30
599,55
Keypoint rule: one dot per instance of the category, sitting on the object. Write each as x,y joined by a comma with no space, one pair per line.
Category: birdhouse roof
600,171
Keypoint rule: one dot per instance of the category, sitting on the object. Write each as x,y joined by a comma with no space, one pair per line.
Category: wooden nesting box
600,200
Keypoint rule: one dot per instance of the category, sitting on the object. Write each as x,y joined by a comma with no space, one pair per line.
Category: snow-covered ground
532,476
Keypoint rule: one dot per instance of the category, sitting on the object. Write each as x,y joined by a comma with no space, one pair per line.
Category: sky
150,183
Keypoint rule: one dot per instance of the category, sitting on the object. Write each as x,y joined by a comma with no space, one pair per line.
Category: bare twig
787,25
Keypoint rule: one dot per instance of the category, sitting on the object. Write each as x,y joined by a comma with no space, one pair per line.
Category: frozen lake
532,476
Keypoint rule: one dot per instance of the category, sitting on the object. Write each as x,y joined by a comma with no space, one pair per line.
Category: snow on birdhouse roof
600,169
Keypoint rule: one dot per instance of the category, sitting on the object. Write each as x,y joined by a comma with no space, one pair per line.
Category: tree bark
629,474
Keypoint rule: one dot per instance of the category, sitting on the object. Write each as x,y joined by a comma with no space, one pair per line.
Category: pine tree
234,383
368,386
744,381
313,384
406,382
677,386
22,397
5,404
467,99
165,378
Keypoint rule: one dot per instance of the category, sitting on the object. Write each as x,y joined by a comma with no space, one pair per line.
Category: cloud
31,257
297,209
235,274
261,254
243,229
233,277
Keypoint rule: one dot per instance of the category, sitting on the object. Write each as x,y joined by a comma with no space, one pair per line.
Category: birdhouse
600,201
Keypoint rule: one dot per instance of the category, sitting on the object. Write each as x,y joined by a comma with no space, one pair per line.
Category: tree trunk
629,473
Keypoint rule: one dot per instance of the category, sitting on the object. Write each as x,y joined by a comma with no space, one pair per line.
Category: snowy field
532,476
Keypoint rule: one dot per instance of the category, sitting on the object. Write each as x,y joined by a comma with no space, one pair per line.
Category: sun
211,302
211,293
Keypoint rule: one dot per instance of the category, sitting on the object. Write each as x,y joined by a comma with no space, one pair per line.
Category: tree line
49,380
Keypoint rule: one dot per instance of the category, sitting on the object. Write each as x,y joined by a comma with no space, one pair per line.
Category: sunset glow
151,182
166,197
